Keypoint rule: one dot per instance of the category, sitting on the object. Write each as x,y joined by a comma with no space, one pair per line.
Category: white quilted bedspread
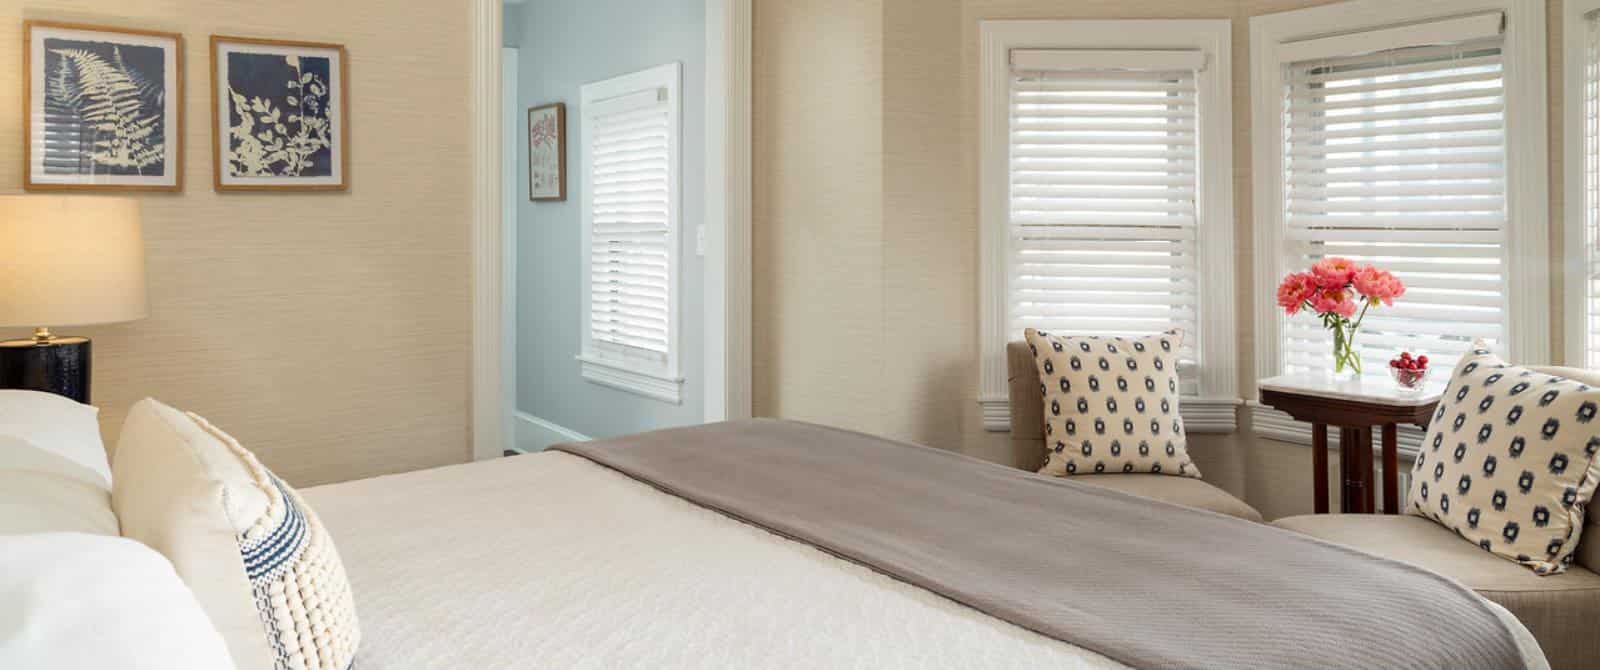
551,561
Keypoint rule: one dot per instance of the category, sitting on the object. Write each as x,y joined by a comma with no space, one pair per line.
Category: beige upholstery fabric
1176,490
1027,441
1560,610
1027,408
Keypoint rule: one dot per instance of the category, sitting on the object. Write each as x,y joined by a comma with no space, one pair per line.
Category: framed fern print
279,115
103,107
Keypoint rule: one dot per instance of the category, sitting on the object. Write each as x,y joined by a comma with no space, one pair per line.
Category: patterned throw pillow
254,554
1111,405
1510,461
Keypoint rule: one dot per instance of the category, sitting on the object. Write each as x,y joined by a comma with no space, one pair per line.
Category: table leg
1319,466
1391,470
1350,470
1369,476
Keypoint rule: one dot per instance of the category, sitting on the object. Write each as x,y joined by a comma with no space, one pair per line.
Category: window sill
1275,425
1200,415
622,376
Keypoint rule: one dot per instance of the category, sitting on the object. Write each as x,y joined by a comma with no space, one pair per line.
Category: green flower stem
1345,354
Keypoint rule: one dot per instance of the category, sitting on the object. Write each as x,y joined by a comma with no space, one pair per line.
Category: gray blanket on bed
1146,583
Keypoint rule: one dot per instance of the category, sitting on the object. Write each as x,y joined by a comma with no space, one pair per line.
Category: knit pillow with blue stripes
299,585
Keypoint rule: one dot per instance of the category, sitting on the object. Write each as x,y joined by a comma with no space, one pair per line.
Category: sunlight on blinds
1102,209
1398,159
629,260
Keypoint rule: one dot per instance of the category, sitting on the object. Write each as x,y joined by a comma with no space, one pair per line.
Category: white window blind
630,231
1591,195
1397,158
1102,219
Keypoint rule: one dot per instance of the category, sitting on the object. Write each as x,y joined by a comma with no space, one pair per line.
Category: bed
556,560
550,560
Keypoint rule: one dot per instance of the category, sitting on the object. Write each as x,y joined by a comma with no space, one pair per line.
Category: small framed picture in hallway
547,152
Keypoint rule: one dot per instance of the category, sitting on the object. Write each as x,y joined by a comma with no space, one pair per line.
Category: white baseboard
535,434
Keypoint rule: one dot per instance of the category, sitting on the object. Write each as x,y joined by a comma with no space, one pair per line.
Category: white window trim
1215,410
1575,58
651,375
1527,194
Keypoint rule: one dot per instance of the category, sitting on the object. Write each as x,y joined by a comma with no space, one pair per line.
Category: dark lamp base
59,366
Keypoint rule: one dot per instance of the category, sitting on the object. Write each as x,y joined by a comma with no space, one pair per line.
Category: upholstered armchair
1562,611
1027,440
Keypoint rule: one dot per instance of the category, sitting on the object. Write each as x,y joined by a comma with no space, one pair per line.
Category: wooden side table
1356,406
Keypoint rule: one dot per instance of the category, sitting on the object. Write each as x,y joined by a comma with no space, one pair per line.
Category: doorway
532,384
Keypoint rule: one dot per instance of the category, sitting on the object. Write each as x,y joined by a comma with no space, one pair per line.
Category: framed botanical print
547,152
103,108
279,115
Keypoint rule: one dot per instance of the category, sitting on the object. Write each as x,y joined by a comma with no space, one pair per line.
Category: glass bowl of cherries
1408,371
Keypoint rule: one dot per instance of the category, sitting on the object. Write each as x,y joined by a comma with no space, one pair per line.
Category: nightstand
1355,406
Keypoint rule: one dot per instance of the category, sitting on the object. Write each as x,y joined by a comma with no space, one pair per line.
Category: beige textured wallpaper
866,299
328,332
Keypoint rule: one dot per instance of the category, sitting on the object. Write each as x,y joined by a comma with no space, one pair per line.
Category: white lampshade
70,261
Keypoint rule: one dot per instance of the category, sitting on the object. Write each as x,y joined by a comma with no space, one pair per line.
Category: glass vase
1346,358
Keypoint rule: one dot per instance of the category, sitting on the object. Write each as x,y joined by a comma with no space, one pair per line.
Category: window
1398,158
630,139
1414,143
1107,194
1582,111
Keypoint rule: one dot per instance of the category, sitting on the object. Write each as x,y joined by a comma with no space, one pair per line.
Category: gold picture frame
72,74
268,132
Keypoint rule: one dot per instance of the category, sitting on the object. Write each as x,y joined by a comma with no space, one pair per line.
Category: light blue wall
565,44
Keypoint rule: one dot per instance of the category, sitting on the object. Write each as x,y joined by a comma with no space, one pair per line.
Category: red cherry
1423,360
1405,355
1394,362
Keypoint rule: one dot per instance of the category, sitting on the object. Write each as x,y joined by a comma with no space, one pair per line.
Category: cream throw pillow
1510,459
1111,405
256,557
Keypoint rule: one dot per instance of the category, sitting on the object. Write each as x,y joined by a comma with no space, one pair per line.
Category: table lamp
65,261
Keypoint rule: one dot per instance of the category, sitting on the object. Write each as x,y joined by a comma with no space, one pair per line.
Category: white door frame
727,223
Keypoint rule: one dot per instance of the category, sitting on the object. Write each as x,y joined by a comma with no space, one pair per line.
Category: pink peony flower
1378,285
1336,301
1334,272
1295,290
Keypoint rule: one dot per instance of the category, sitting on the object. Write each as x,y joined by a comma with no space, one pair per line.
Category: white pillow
89,601
41,492
56,424
256,556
